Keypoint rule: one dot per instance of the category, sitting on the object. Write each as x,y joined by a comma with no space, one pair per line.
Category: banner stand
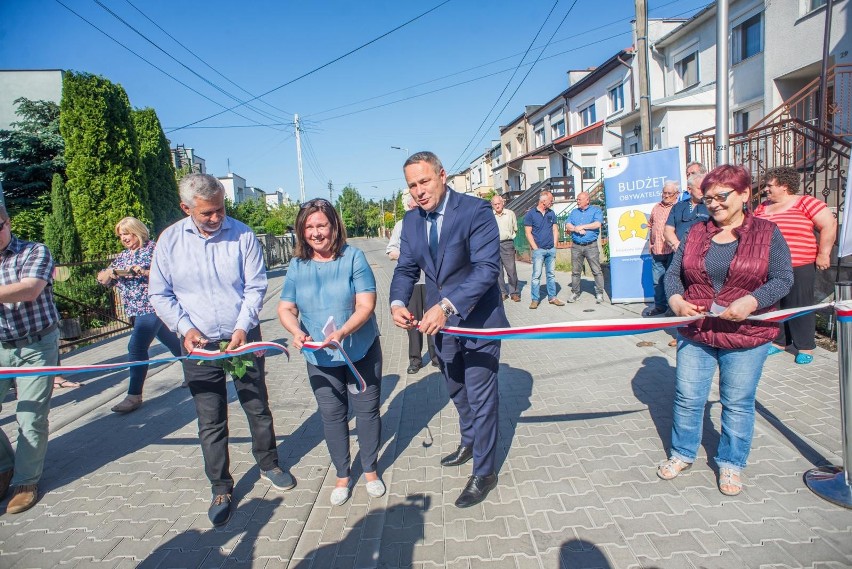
834,483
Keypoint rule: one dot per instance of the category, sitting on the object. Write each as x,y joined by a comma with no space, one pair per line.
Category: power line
181,63
509,82
479,66
324,65
161,70
196,56
506,70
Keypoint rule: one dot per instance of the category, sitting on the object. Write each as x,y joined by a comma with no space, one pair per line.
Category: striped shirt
659,216
797,227
20,260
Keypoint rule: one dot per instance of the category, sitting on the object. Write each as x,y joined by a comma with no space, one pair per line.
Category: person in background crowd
507,222
732,266
584,225
210,260
416,306
686,213
129,273
330,294
798,217
661,251
454,240
29,337
542,233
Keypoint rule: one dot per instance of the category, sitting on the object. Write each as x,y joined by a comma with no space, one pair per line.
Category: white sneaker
375,488
573,297
599,298
339,495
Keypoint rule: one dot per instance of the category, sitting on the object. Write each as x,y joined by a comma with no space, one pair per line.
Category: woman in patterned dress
129,272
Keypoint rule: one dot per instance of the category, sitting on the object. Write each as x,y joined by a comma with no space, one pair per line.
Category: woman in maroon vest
732,266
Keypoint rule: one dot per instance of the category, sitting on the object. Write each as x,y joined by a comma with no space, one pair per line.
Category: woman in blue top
330,294
129,273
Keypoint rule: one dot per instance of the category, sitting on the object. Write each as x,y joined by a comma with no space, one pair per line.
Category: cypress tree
156,160
103,167
60,233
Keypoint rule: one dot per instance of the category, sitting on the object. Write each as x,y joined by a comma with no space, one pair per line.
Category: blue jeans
548,258
739,372
31,411
146,327
659,265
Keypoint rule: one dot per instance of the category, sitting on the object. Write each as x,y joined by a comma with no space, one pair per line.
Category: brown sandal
669,469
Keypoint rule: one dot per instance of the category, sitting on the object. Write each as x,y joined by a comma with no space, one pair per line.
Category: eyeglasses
669,194
720,197
316,202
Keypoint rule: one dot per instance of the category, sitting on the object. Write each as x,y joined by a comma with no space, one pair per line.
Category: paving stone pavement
583,424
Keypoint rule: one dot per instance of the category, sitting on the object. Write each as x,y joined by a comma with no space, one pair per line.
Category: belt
31,339
586,243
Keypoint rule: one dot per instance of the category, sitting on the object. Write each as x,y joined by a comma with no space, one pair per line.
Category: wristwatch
445,306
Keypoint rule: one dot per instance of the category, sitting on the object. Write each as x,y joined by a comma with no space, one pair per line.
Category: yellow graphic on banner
633,224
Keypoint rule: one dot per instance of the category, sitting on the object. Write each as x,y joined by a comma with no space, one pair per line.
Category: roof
661,42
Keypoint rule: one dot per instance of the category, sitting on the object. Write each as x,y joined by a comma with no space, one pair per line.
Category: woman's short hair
134,227
735,177
783,176
338,231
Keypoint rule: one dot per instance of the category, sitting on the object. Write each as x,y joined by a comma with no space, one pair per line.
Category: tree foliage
30,154
353,210
251,212
103,167
60,233
156,161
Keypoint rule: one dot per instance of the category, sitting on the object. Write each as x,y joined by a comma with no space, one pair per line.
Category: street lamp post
404,149
381,219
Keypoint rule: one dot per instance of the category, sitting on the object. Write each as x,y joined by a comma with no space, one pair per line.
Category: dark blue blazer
468,264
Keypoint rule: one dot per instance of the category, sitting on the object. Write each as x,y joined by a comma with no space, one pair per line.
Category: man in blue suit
454,240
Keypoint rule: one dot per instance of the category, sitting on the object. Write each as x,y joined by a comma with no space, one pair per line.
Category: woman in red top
797,217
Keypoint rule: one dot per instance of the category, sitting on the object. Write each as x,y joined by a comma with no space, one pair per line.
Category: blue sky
465,51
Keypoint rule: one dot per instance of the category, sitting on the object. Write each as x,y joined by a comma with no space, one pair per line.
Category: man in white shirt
507,223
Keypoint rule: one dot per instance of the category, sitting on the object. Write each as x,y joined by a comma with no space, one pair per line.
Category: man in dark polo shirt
28,338
542,232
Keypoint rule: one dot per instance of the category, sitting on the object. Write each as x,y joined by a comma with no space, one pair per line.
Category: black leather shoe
477,490
220,509
462,455
413,366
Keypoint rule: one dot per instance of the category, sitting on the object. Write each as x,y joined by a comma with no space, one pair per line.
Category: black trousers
800,330
209,391
333,400
417,306
472,382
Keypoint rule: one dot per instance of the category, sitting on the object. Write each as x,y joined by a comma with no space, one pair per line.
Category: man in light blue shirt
207,284
584,224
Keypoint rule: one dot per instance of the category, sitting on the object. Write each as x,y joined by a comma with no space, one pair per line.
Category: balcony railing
562,189
821,158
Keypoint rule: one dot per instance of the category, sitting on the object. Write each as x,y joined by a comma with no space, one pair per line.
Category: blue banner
633,185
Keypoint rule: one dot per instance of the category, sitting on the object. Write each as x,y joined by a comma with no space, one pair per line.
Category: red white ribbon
360,385
197,354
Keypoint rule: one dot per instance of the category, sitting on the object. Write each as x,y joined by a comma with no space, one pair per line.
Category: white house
36,85
235,187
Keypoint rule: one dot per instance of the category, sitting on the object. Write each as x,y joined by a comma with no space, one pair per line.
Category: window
746,39
616,98
558,129
508,151
541,174
587,115
744,119
814,4
588,172
687,70
539,135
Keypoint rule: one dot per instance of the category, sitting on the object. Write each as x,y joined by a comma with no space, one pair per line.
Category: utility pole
644,79
722,130
330,192
823,76
299,158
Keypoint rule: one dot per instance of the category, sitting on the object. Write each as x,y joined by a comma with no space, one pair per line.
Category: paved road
582,425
